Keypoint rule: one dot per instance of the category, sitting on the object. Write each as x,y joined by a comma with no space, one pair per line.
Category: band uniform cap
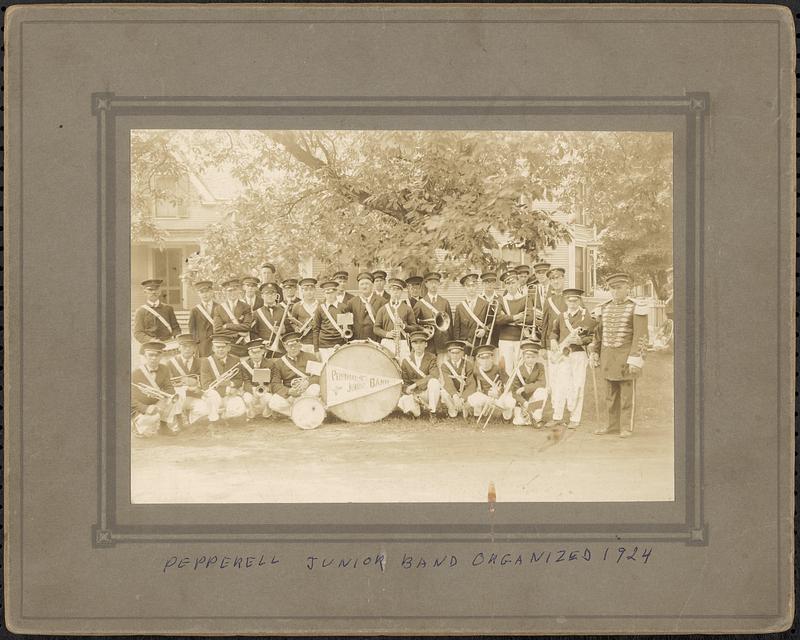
270,266
151,284
219,338
523,269
329,284
304,282
451,345
379,274
616,278
418,336
530,345
469,276
290,337
255,344
250,280
572,293
365,275
341,274
541,266
560,270
532,280
507,274
233,283
396,282
432,276
269,287
203,285
414,280
152,346
483,349
290,282
489,276
187,338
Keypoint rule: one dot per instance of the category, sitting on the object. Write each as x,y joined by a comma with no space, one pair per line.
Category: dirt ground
401,459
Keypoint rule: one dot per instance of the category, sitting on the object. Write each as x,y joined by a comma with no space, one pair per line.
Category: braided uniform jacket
621,333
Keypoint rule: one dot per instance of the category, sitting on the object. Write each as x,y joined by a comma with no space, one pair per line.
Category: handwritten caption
407,561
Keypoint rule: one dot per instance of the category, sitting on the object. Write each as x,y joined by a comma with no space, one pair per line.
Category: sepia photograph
401,316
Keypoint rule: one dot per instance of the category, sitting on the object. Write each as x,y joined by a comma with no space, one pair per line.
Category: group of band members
512,350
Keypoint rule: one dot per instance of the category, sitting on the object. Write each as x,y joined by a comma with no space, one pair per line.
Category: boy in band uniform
421,386
490,381
555,303
395,321
458,375
364,307
225,397
148,414
326,331
267,319
618,348
201,317
528,386
342,295
470,315
509,335
426,309
414,284
379,282
251,295
233,318
303,313
258,402
184,370
572,332
154,321
290,296
290,379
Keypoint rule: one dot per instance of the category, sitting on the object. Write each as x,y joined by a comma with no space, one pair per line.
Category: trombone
488,324
440,321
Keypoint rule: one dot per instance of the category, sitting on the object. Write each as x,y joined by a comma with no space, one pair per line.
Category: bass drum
307,412
360,383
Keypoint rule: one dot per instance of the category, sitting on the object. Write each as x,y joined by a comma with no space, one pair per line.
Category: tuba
440,321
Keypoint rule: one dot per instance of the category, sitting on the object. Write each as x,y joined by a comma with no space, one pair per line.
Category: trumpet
224,378
152,392
440,321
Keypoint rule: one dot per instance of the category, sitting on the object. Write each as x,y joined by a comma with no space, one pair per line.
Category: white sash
214,367
285,361
570,328
392,315
247,366
410,361
430,306
270,326
473,316
520,376
230,313
491,382
553,305
158,315
177,365
205,313
338,328
151,378
462,380
368,306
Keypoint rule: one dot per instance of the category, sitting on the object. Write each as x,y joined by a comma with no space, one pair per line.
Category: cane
594,389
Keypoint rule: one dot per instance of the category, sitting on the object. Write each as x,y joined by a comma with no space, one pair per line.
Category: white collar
155,304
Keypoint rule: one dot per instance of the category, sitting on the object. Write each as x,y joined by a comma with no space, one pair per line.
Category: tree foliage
416,199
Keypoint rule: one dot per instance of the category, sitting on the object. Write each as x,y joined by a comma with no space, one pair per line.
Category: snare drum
307,412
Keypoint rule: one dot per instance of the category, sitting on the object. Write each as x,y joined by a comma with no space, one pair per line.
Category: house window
171,196
580,268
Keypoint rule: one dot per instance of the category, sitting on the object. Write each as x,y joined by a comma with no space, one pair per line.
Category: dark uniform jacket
283,374
621,333
178,368
581,320
428,370
306,325
241,321
267,323
458,380
201,328
423,311
526,381
553,306
384,322
140,401
146,327
248,365
363,323
495,373
326,334
384,294
208,375
344,299
464,325
511,308
257,303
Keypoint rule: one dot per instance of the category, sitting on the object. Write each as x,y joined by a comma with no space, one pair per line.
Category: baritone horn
440,321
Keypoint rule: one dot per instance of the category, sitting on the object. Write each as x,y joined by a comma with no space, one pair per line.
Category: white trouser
147,424
509,351
259,404
531,408
455,404
410,402
568,379
405,352
193,408
505,403
229,406
283,405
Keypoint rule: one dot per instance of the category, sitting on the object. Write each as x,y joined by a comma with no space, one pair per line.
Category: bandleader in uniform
154,321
